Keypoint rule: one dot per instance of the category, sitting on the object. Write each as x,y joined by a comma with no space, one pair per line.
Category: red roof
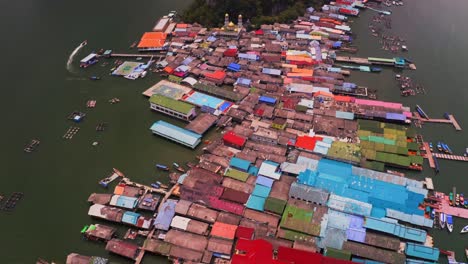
230,52
227,206
298,256
223,230
244,232
341,98
306,142
231,138
259,32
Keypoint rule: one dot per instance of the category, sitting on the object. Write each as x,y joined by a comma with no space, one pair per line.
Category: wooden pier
450,157
140,256
451,210
128,55
429,154
422,120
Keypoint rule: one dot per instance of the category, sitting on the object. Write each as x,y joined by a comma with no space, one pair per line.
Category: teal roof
389,227
421,251
256,202
240,164
260,190
176,133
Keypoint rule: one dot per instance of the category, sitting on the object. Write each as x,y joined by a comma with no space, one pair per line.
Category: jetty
450,157
446,208
429,155
116,174
140,256
71,132
32,145
450,119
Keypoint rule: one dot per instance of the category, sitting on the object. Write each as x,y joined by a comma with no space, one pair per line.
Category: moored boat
457,199
95,78
450,223
162,167
431,147
464,230
439,147
442,220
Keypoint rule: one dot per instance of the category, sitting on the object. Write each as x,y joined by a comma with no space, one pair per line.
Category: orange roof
298,74
152,40
218,75
298,58
341,98
168,69
308,71
223,230
285,65
119,190
322,93
287,80
182,26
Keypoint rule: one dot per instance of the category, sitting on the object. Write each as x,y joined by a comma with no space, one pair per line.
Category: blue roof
127,202
176,133
267,99
260,190
366,261
384,225
253,170
240,164
268,182
211,39
421,251
234,67
164,218
271,71
130,218
395,116
243,81
256,202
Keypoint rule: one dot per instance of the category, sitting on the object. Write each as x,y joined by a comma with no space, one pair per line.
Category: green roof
236,174
298,219
179,106
338,254
275,205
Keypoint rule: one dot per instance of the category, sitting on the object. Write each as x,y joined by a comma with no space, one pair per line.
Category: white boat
449,223
464,230
442,220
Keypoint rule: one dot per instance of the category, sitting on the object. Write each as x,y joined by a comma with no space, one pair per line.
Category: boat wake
72,55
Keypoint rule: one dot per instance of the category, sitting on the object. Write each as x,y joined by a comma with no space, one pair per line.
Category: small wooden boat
464,230
155,185
177,167
450,223
431,147
162,167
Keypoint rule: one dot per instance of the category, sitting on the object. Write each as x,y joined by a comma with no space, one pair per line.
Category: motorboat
450,223
464,230
442,220
431,147
95,78
84,43
457,199
439,147
162,167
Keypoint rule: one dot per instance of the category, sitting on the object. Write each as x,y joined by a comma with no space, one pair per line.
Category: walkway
151,233
452,210
450,157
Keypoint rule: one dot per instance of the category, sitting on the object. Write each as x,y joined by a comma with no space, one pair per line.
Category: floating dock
451,210
451,120
429,155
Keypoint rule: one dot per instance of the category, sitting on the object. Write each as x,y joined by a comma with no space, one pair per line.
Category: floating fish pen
101,127
11,202
71,132
32,145
76,116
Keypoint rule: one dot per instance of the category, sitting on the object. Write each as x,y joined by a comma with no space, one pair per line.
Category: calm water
39,92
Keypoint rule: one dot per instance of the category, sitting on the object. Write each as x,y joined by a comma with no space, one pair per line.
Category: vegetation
211,12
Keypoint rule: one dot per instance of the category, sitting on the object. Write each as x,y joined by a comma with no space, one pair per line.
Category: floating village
305,166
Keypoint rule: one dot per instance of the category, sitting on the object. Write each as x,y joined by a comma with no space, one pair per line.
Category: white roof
269,170
95,210
293,168
180,222
190,81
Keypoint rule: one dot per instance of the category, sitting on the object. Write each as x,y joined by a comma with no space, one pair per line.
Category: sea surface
39,91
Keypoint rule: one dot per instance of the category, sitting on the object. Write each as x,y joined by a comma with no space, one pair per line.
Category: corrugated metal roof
236,174
268,182
308,193
293,168
176,133
386,226
421,251
180,222
275,205
124,201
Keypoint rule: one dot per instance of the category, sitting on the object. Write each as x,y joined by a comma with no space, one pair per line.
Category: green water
39,92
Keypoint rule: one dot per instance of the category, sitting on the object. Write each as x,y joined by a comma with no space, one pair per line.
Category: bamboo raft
71,132
11,202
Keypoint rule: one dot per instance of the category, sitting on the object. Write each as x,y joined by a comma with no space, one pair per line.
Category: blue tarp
395,116
164,218
243,81
267,100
